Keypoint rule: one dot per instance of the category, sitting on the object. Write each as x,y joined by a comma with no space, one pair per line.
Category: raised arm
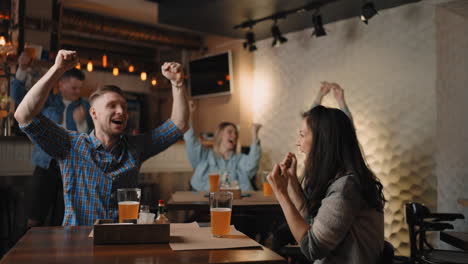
180,111
324,90
18,85
255,129
196,153
249,163
35,99
338,92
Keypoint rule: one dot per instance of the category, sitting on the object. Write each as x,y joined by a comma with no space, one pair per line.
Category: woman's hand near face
290,163
278,180
294,187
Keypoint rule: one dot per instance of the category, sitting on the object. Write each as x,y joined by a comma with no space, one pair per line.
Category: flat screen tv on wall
211,76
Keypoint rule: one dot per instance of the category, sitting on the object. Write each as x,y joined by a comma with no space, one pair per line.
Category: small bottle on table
161,218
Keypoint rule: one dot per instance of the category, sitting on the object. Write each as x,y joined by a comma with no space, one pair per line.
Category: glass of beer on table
214,181
267,191
220,212
129,203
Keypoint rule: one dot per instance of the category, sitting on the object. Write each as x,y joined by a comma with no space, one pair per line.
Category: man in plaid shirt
94,166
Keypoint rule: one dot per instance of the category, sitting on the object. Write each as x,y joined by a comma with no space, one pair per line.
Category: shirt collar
98,144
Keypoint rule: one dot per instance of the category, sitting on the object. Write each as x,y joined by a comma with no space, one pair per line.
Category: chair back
414,218
420,219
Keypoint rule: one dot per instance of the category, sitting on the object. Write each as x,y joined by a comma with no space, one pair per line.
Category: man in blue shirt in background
67,109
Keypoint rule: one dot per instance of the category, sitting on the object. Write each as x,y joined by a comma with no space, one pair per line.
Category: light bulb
131,68
104,61
115,71
154,82
143,76
89,66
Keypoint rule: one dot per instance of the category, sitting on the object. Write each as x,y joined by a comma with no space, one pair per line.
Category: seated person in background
95,165
67,109
222,158
338,92
336,213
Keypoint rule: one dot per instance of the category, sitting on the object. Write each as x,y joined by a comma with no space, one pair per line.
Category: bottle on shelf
161,218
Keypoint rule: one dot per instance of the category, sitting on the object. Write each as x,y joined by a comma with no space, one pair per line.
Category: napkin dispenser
236,192
108,232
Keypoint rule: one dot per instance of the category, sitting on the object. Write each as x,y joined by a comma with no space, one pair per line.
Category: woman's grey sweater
345,229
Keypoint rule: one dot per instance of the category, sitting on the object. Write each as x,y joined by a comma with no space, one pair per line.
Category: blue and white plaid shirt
91,174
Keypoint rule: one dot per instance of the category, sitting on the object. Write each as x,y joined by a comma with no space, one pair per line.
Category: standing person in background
223,157
67,109
336,213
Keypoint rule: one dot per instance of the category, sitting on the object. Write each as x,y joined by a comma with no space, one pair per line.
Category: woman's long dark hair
336,152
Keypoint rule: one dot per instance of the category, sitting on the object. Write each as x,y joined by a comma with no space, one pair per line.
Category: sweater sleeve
195,150
333,220
249,163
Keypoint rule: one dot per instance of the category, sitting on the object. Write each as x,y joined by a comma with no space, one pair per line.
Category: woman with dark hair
336,212
223,157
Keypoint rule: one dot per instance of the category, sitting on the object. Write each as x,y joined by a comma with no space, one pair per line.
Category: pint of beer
220,213
128,210
220,221
129,202
267,191
214,182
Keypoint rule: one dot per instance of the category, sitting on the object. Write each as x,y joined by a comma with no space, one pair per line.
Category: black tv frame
231,82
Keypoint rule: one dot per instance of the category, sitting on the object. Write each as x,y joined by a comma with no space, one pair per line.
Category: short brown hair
105,89
73,73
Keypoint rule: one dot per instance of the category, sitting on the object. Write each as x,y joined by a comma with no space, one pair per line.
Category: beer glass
220,213
267,191
214,182
129,202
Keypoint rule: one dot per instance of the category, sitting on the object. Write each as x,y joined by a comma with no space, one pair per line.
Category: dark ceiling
220,16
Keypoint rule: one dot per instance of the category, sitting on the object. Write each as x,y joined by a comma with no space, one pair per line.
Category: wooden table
253,215
186,200
72,245
456,239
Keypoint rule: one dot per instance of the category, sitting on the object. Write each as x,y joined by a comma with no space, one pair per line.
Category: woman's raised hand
278,180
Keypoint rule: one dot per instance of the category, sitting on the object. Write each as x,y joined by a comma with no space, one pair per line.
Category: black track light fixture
367,12
278,39
319,30
250,41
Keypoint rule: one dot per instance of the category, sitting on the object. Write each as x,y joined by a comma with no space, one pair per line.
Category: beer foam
220,209
129,203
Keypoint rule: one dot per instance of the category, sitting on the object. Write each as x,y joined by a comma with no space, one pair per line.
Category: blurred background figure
67,109
240,168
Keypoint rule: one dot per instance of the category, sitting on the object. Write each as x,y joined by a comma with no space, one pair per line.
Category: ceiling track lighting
317,23
278,38
367,12
250,41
